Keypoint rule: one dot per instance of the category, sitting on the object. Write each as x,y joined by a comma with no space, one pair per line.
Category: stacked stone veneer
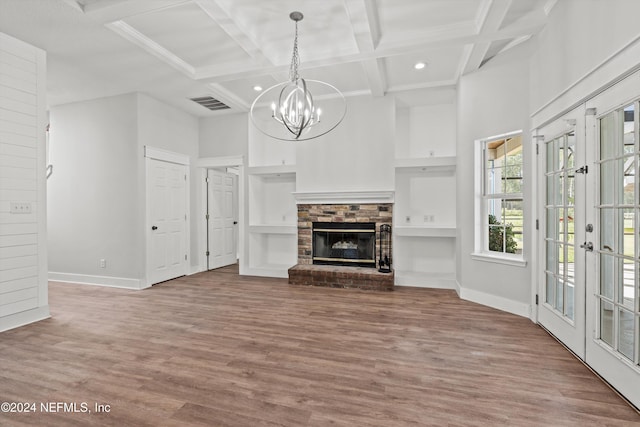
305,273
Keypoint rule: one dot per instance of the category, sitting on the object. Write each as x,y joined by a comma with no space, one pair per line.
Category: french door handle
587,246
154,227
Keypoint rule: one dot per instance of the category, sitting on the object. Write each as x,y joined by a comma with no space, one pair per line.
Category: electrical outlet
102,263
20,207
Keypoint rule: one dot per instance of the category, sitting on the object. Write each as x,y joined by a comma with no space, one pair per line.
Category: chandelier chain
295,59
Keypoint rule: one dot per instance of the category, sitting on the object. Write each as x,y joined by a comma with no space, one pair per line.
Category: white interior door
222,218
562,287
613,303
166,220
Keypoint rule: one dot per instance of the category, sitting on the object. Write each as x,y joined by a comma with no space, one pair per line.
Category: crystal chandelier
294,110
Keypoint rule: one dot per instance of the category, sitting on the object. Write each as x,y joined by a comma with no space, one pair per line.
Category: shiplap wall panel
17,284
22,123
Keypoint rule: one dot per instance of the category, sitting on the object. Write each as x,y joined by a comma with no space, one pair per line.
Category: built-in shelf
424,164
272,170
425,231
273,229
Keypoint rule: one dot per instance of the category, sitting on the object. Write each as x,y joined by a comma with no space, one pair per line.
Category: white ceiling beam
365,25
376,76
145,43
490,16
425,85
106,11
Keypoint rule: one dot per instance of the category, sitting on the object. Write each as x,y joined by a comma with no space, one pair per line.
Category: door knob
235,222
154,227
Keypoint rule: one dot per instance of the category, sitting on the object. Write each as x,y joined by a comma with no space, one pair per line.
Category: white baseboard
500,303
424,280
85,279
24,318
457,288
194,269
431,284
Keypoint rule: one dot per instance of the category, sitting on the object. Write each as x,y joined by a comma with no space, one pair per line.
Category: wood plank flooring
218,349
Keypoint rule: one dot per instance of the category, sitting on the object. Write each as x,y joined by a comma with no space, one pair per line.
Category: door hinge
185,257
206,179
537,224
185,176
537,148
207,253
536,299
185,217
584,170
206,217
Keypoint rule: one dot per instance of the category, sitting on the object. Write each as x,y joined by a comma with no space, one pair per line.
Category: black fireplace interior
338,243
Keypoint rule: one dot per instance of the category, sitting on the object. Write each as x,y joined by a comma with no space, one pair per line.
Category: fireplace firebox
339,243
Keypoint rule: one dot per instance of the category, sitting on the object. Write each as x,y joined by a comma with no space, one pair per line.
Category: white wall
23,252
580,35
491,101
357,155
224,136
95,206
167,128
97,191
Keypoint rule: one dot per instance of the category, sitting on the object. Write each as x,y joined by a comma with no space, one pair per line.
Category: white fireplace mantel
343,197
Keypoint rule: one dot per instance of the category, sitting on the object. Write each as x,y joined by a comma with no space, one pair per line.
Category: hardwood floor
218,349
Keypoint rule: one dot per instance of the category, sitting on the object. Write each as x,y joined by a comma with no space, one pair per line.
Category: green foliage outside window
497,236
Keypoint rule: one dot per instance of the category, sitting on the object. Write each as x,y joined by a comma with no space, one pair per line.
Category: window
500,214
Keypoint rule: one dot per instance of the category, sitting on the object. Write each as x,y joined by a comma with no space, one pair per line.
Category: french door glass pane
629,128
607,275
607,176
626,332
608,147
571,145
551,219
559,305
570,310
550,288
570,226
628,229
606,322
607,237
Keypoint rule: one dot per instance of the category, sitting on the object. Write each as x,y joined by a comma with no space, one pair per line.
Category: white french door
589,203
613,303
222,219
166,220
561,294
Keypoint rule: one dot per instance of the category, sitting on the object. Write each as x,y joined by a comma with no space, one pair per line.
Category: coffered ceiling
174,50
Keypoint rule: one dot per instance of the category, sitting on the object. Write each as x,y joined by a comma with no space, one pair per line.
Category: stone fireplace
346,245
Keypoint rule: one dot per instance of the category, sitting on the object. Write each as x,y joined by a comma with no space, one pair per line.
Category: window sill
507,260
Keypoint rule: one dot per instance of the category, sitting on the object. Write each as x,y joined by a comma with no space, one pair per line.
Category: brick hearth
306,273
341,277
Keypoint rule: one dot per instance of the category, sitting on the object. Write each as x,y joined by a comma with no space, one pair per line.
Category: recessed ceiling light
419,65
257,88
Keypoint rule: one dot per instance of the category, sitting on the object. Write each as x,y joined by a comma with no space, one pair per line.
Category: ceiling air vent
210,103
